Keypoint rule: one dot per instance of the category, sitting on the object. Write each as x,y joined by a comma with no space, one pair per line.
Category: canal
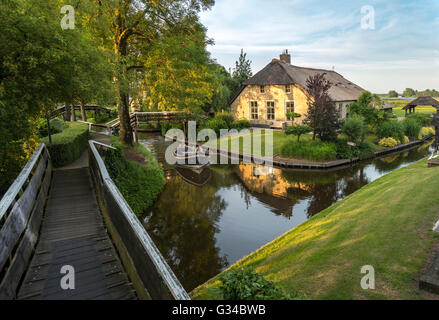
204,223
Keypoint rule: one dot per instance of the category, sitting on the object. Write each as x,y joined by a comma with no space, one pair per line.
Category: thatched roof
279,73
422,101
386,105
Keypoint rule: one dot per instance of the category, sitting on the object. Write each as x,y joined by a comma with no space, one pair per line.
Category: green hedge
68,145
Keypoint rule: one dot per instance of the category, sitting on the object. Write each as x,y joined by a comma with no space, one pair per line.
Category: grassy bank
136,173
387,224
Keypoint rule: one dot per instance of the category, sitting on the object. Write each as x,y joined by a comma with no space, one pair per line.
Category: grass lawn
279,138
387,224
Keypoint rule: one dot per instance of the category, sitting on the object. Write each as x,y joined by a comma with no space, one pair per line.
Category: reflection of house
269,187
280,88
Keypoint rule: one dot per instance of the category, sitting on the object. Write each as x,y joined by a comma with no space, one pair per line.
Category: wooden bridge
77,219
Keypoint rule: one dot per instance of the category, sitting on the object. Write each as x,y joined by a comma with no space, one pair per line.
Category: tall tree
133,26
242,71
409,92
322,113
393,94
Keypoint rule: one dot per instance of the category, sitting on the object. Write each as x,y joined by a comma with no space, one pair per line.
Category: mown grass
387,224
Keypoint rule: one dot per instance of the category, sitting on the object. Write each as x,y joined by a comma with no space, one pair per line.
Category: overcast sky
402,51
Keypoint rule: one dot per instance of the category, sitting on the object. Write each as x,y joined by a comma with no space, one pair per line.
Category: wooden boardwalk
73,234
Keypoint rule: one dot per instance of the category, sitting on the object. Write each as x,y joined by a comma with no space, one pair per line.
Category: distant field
401,103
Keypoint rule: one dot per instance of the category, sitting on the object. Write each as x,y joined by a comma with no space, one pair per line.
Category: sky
400,51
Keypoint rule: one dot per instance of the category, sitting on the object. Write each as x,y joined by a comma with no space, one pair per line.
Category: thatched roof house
280,88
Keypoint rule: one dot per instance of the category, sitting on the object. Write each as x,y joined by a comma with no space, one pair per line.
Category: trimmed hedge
68,145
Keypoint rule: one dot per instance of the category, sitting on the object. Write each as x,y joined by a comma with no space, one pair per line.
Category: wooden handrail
16,186
151,268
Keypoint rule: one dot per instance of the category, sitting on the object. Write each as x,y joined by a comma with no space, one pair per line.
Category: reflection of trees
183,225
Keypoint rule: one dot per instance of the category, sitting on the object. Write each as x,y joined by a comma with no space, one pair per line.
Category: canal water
204,223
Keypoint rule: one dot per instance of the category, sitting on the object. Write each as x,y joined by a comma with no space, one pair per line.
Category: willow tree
131,27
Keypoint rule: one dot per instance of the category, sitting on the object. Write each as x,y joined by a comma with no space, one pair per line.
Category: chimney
285,57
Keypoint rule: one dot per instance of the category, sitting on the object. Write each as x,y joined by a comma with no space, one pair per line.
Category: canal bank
386,224
201,231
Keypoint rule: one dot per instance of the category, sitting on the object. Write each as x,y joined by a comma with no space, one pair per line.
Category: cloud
328,33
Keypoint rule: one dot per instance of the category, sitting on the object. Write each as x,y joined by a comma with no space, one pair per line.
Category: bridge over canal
50,219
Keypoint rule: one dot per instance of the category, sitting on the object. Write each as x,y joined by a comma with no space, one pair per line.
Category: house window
254,110
288,88
290,107
262,89
270,110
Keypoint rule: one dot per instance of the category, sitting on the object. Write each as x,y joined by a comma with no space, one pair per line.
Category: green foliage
298,130
227,117
246,284
423,119
355,129
68,145
140,185
412,128
388,142
310,150
363,150
215,124
393,94
240,125
243,70
293,115
365,108
42,128
391,129
409,92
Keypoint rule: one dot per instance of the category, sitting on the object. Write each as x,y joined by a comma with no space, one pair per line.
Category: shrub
423,119
425,132
411,128
240,125
388,142
68,145
246,284
166,126
310,150
140,185
227,117
355,128
406,140
298,130
42,130
391,129
214,124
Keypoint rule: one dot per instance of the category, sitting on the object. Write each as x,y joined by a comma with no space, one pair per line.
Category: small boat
189,157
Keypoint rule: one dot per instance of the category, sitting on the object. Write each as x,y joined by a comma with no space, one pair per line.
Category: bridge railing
21,211
148,270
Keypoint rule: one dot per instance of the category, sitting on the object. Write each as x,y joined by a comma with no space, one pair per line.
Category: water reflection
201,225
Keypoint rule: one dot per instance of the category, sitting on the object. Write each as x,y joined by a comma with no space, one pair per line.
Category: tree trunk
73,118
120,48
67,113
83,115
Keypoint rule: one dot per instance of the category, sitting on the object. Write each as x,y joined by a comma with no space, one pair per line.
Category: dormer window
288,88
262,89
